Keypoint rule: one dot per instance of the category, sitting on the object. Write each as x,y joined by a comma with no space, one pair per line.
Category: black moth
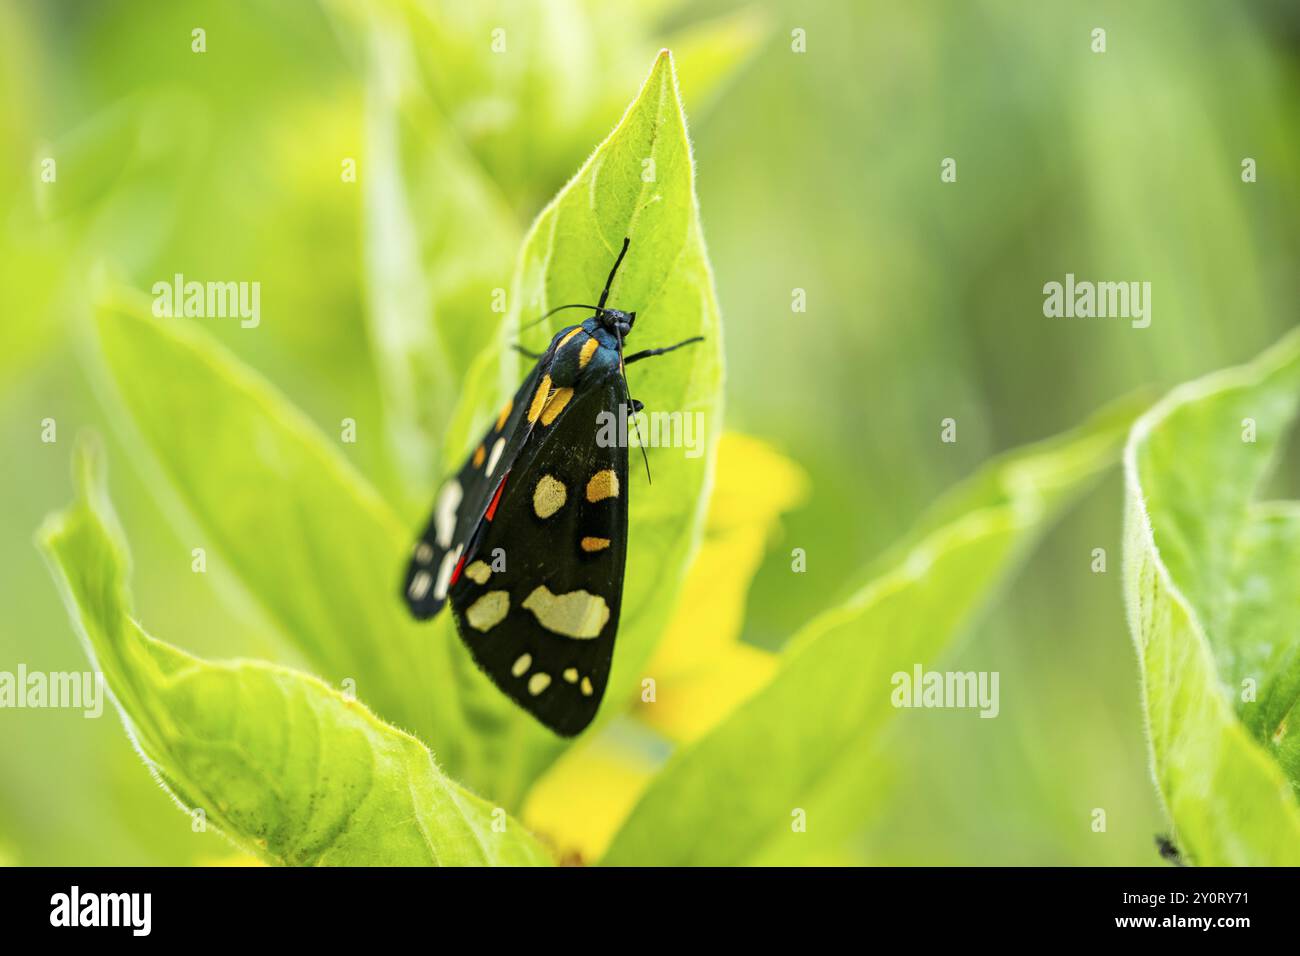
529,539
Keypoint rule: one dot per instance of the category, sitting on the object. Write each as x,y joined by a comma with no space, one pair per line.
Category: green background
817,171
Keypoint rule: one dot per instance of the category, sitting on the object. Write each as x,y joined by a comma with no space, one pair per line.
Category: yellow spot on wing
603,484
587,689
479,455
505,413
538,683
555,404
478,572
588,350
539,398
578,614
571,675
548,496
595,544
565,341
521,666
488,611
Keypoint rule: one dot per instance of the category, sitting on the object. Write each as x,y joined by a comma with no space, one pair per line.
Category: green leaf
1214,609
285,766
809,739
639,184
304,533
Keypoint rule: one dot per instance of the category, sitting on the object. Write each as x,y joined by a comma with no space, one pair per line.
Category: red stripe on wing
496,499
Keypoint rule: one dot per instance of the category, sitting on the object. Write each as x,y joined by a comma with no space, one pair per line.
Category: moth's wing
463,499
538,603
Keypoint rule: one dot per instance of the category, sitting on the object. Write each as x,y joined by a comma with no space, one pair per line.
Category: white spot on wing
445,512
444,572
495,457
420,585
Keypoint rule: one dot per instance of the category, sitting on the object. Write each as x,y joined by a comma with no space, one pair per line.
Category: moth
528,541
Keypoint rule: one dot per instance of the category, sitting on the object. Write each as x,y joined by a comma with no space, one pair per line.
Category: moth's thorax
581,350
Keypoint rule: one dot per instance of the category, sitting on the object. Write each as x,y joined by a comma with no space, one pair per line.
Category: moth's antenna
604,296
640,439
560,308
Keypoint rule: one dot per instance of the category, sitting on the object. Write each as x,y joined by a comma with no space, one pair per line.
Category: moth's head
616,321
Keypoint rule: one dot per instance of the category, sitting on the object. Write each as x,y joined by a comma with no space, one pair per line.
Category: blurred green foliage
816,171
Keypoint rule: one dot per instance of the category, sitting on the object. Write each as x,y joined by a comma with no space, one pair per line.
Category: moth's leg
525,352
649,353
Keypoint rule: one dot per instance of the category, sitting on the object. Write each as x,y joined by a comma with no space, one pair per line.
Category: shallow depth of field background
817,171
